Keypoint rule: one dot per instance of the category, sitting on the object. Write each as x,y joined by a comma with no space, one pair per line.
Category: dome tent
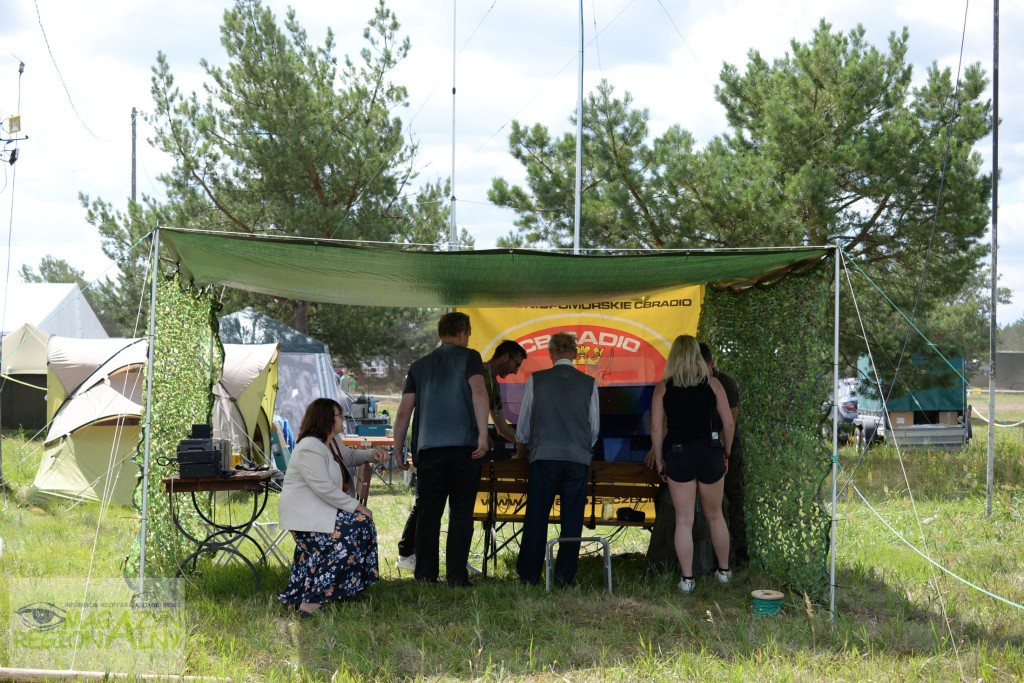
95,389
304,369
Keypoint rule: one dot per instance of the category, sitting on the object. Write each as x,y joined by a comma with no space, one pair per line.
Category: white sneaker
686,585
407,562
723,576
473,571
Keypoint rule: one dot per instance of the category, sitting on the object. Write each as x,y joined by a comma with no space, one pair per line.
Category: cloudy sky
88,64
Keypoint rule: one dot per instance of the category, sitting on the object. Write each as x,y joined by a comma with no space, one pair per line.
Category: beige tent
244,408
94,401
24,351
23,369
95,396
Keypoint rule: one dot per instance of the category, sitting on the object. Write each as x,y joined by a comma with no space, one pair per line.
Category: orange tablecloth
353,441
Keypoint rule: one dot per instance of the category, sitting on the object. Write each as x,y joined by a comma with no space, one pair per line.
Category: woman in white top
335,538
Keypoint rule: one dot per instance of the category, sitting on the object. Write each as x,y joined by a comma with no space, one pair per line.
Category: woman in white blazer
335,539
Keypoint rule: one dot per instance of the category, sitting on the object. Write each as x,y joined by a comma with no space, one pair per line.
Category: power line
60,75
682,38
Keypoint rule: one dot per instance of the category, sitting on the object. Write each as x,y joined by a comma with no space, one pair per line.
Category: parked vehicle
931,416
848,401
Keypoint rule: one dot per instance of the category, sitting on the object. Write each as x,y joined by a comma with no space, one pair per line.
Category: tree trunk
302,316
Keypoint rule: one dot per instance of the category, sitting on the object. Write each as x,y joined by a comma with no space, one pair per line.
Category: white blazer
312,492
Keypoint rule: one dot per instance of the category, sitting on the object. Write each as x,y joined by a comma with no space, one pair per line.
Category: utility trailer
932,417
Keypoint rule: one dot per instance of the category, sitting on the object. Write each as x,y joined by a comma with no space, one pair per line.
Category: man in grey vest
559,419
444,392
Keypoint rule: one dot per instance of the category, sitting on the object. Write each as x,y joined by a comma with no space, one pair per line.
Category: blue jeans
549,478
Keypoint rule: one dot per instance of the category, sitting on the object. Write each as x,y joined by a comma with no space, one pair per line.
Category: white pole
835,442
579,145
149,406
453,233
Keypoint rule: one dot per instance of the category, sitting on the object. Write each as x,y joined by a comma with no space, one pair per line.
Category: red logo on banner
609,355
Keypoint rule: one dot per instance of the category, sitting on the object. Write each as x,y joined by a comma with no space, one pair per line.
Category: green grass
888,623
1009,406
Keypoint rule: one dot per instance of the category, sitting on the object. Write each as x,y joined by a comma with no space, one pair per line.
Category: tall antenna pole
579,145
453,232
3,305
133,153
990,469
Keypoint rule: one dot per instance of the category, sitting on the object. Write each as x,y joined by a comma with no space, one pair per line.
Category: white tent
53,308
96,394
44,308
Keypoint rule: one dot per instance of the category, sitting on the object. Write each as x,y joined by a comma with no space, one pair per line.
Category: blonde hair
685,365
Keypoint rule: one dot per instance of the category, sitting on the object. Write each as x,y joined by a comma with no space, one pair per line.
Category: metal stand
224,538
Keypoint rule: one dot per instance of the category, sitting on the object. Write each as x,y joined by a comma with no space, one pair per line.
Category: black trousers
407,543
445,475
734,495
661,552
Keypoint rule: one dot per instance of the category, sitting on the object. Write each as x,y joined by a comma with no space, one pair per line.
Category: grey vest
444,413
560,416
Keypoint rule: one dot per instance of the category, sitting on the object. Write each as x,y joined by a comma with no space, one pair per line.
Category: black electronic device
202,431
199,457
503,450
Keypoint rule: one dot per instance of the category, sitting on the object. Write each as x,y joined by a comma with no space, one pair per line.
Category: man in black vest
507,358
444,393
559,419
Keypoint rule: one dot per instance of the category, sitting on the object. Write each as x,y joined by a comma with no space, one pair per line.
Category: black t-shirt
732,394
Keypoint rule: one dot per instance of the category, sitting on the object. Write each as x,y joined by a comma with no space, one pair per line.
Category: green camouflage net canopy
341,273
766,313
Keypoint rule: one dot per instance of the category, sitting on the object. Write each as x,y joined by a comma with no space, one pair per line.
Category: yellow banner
511,507
624,341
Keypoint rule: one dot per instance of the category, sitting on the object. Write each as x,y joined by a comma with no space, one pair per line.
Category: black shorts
693,460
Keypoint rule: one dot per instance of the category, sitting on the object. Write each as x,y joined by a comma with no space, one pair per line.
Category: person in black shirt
446,400
684,402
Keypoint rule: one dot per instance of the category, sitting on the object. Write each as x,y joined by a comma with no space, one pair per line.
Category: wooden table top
238,480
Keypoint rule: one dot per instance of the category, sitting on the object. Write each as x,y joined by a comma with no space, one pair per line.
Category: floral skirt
333,566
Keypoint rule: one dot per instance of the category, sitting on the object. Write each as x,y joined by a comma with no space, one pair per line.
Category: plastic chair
279,448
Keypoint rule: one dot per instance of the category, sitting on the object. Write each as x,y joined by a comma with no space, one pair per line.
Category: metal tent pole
835,442
149,407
